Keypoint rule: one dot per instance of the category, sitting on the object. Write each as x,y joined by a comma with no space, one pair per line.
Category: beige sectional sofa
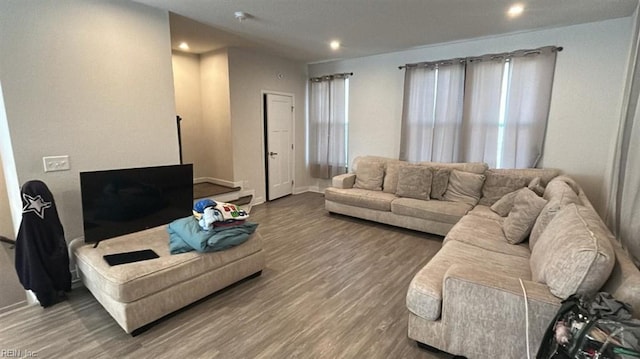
531,240
372,196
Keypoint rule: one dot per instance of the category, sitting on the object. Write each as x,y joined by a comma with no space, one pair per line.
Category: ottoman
139,293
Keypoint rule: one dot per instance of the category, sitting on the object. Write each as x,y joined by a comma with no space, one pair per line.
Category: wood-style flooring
333,287
208,189
12,295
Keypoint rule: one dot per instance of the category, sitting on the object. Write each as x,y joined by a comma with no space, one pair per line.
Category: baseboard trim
13,306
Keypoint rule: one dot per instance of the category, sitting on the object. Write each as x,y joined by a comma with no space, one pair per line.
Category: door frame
263,95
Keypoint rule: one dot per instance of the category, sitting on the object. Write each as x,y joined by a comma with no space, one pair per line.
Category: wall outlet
56,163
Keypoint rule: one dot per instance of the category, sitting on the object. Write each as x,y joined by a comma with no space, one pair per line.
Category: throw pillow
526,208
414,182
500,182
504,204
575,254
439,182
559,194
369,175
390,183
536,186
464,187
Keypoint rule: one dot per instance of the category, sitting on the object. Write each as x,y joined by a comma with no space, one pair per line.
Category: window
328,125
504,111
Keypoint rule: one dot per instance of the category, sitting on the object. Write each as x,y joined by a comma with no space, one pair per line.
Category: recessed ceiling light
184,46
334,45
241,15
515,10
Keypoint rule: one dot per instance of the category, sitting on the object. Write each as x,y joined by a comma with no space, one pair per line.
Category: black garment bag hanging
42,257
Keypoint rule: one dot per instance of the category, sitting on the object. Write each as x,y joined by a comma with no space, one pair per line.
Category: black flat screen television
122,201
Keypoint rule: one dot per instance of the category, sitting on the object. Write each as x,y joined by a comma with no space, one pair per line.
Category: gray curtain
432,113
328,126
492,108
507,102
623,216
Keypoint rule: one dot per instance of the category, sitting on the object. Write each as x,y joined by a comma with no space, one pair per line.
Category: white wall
585,107
186,80
11,206
216,136
250,73
89,79
6,223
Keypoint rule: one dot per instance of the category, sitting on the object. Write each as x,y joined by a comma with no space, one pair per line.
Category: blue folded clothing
186,235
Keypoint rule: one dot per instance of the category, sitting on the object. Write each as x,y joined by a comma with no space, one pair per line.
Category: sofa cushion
414,182
439,211
536,186
526,207
504,205
486,212
424,297
502,181
369,175
484,232
473,167
359,159
558,194
357,197
559,188
390,183
624,282
574,254
464,187
439,182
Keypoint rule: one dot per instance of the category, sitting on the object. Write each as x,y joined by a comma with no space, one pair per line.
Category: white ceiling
302,29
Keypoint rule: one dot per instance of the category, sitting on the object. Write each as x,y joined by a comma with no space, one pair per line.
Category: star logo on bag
35,204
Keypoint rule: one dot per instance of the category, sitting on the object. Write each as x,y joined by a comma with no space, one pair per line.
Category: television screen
121,201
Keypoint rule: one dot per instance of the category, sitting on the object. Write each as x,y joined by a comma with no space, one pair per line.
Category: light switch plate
56,163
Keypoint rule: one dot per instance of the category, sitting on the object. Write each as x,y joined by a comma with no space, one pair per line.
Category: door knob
273,153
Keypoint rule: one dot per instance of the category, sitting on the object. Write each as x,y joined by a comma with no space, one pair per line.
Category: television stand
139,293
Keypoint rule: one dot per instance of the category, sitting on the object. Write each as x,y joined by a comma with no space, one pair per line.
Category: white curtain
481,120
328,122
623,215
432,113
506,108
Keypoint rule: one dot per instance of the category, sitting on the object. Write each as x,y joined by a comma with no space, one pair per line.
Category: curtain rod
342,75
517,53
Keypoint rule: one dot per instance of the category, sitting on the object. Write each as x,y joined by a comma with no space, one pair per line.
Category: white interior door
279,147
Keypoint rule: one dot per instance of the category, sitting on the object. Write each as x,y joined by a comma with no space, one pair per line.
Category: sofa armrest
346,180
483,313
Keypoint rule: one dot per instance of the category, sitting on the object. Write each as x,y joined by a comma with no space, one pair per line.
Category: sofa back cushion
464,187
356,161
369,175
574,255
502,181
473,167
624,282
559,194
414,182
439,182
